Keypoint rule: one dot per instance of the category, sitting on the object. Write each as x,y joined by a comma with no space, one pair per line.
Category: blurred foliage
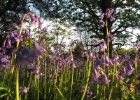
78,50
122,51
131,51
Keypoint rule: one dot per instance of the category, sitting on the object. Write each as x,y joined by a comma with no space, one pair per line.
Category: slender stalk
72,75
17,68
107,36
17,83
45,82
38,89
72,80
38,63
88,76
60,92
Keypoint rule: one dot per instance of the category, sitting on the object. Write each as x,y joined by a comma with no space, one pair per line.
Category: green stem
38,89
17,83
72,81
60,93
88,76
45,82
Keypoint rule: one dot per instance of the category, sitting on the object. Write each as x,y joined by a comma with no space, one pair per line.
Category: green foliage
79,48
121,51
131,51
29,43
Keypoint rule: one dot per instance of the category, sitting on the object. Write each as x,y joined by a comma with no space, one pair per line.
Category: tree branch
90,11
120,4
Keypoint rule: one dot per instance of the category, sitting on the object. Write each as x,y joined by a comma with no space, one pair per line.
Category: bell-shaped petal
23,89
20,56
37,49
9,45
107,61
27,51
102,45
96,76
27,34
129,69
105,79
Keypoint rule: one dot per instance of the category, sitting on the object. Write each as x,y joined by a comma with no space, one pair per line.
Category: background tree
11,10
60,31
85,14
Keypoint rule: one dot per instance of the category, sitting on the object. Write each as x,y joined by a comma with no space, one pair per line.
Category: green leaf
3,95
2,88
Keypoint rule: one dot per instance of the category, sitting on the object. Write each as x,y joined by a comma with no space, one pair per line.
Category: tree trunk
105,5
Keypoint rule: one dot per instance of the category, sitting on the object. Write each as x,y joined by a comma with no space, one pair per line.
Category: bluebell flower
102,45
37,49
27,51
107,61
129,69
20,56
109,12
9,45
105,79
96,76
27,34
23,89
33,18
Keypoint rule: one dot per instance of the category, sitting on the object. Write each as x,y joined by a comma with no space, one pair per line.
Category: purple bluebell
137,47
39,23
127,57
9,45
23,89
3,60
27,34
74,42
96,76
102,16
111,37
102,45
102,23
116,60
105,79
43,31
127,80
129,69
94,55
107,61
37,49
109,12
120,76
33,18
15,37
27,51
20,56
11,34
36,70
123,71
98,67
112,18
